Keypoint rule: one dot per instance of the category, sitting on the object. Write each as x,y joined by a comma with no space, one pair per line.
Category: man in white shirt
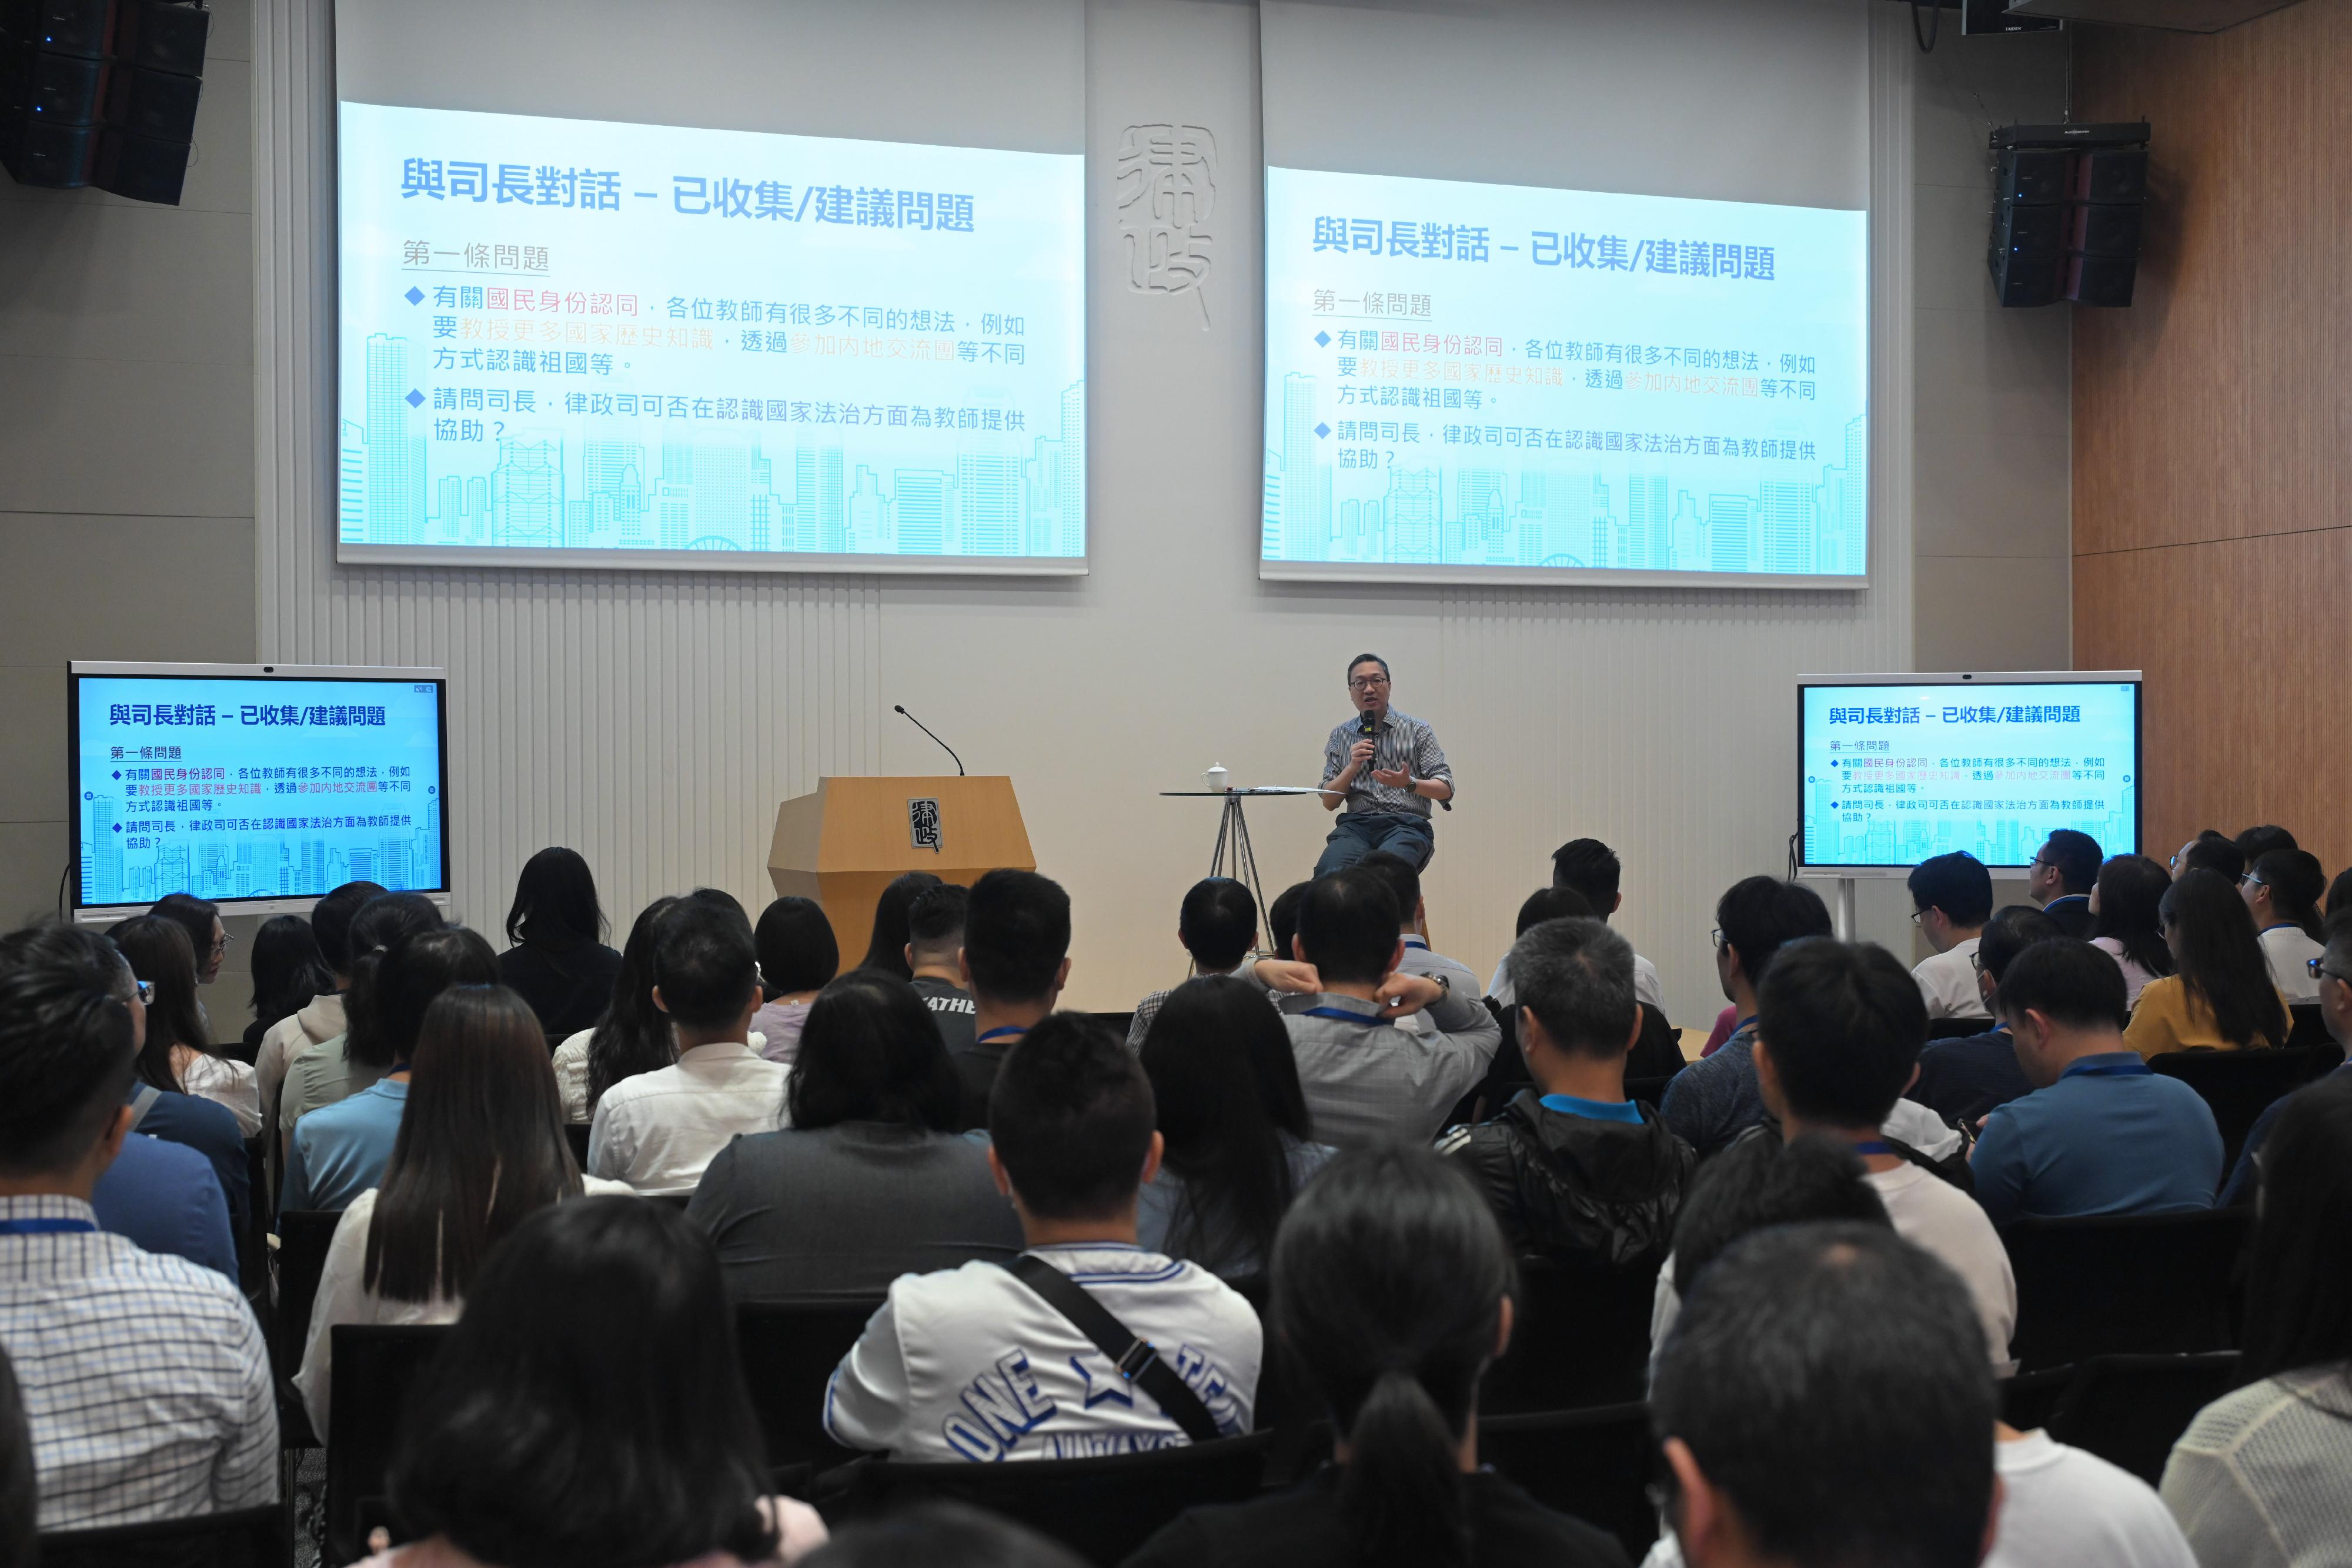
1838,1033
144,1378
1590,868
975,1364
1951,899
2283,889
658,1130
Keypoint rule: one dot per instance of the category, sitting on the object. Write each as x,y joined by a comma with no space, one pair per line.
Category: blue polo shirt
1598,1110
339,1151
164,1196
2109,1138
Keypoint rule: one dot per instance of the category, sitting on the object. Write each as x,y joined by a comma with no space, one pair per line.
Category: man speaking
1381,770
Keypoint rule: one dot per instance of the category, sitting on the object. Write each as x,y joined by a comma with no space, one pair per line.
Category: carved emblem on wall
1166,178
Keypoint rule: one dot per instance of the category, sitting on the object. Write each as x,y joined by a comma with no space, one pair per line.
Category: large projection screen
589,318
1590,303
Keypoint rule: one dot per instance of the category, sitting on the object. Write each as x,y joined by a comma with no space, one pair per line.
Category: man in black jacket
1571,1169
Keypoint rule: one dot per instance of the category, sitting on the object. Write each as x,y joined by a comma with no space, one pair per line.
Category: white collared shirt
970,1363
658,1130
2289,950
1949,982
146,1380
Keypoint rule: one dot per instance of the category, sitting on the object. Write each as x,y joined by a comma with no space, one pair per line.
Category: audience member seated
1756,1184
1823,1399
2333,978
1571,1169
1592,870
887,949
1962,1078
207,938
1838,1032
556,958
2281,891
979,1364
2127,921
934,937
322,1018
1015,960
1365,1079
2260,1477
657,1131
2221,996
2209,851
339,1151
2064,871
868,1179
179,1057
287,971
1713,1099
1281,919
2256,842
2101,1133
145,1377
1403,879
2339,892
798,954
1217,927
588,1407
165,1194
329,1072
481,1147
1237,1144
632,1036
1393,1289
1951,898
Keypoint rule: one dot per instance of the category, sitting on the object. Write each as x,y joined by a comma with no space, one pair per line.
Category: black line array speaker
101,92
2066,217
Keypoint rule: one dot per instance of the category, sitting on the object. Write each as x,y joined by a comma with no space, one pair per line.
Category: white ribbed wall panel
654,720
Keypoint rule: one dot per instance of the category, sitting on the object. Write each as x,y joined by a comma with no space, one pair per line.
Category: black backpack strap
1138,1360
1953,1170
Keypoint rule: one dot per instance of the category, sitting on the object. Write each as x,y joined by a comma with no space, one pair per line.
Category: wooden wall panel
2212,423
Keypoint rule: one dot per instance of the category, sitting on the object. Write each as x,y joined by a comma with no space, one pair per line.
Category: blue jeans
1359,834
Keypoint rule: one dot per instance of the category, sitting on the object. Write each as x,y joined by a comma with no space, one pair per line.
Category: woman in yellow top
2222,997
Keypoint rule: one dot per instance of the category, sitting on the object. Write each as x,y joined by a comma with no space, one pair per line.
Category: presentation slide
638,341
1472,375
1894,774
244,787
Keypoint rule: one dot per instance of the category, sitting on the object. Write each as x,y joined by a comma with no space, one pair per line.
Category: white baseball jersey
970,1363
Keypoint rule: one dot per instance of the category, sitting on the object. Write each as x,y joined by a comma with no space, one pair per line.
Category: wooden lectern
844,844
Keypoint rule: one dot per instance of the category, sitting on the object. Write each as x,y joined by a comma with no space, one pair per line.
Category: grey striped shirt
1402,739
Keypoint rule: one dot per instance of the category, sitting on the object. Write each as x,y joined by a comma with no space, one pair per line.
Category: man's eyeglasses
145,990
2319,970
1976,962
1916,914
2250,878
1716,936
1366,683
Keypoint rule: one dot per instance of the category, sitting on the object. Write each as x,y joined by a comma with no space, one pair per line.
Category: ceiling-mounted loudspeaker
1995,16
2173,15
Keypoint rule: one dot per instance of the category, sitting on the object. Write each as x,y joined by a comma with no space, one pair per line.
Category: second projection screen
1478,377
624,342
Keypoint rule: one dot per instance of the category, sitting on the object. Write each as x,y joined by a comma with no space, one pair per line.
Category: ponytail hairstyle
383,923
1390,1276
633,1036
158,952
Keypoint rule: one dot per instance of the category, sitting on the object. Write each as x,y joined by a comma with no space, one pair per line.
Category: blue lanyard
42,1227
1874,1146
998,1032
2112,1070
1416,942
1342,1014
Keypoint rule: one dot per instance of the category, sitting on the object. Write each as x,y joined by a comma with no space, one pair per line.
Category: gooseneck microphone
926,729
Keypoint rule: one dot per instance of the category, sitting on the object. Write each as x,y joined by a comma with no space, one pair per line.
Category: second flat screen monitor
1469,380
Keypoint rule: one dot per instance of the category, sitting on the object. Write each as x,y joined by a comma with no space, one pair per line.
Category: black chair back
788,1351
2128,1284
1581,1338
253,1236
1957,1028
374,1368
2238,1085
242,1538
1101,1509
1287,1405
2028,1398
576,1134
302,1240
1595,1464
2308,1028
2130,1409
1649,1092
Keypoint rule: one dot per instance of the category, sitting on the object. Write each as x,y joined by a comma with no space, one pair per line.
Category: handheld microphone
942,745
